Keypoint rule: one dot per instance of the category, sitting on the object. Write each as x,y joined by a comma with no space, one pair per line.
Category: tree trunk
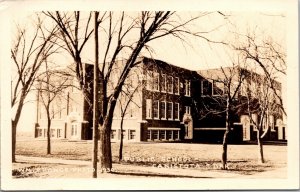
121,141
260,147
226,134
48,133
105,149
15,124
14,136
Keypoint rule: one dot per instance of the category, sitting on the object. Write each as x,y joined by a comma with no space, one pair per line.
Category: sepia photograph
173,96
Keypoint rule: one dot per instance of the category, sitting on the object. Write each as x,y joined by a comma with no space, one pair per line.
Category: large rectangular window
176,111
170,84
162,109
188,110
148,109
170,110
156,81
205,87
149,78
163,83
155,109
187,88
176,85
218,88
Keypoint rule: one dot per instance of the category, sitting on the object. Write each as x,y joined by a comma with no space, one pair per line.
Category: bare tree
51,86
125,100
28,54
261,105
125,33
223,98
263,53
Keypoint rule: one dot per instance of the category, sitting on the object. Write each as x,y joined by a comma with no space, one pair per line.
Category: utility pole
95,100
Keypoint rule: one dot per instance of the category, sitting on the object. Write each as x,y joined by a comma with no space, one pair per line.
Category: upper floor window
187,88
170,84
176,85
156,81
205,87
163,83
149,79
218,88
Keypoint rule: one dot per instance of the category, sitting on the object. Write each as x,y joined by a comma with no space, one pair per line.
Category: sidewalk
125,171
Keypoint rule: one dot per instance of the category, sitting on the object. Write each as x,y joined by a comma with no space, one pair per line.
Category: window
206,87
187,88
52,132
113,134
74,129
123,134
58,133
155,109
162,110
170,110
254,119
176,111
169,135
40,132
149,80
156,81
162,134
148,109
176,135
271,120
188,110
155,134
163,82
149,135
176,86
218,88
170,84
131,134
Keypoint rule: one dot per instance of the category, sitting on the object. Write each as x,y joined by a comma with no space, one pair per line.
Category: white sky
199,54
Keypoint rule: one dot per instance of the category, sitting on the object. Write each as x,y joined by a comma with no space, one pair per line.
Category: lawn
242,159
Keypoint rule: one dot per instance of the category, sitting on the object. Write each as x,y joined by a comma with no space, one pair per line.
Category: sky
198,53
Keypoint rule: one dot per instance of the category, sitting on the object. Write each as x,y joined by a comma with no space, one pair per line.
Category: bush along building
163,102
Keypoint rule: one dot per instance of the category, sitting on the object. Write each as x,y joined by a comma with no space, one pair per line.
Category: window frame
172,111
178,114
163,116
187,88
153,112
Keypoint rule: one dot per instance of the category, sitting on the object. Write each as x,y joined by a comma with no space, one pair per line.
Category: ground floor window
58,133
163,135
123,134
113,134
40,132
131,134
52,132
